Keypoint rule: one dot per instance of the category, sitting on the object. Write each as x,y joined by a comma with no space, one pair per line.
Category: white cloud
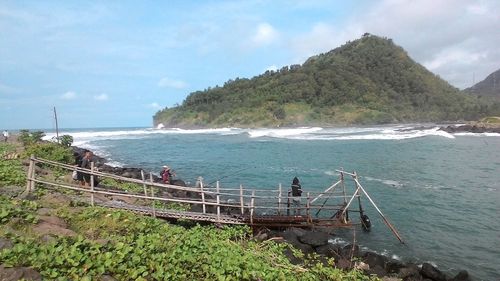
272,68
167,82
264,35
101,97
69,95
154,105
453,38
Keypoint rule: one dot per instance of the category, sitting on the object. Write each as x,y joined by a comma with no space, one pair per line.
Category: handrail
246,203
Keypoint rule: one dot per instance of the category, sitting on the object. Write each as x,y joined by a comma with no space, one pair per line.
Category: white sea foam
392,183
477,134
282,133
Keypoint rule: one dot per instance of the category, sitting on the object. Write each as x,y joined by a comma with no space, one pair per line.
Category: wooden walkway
332,208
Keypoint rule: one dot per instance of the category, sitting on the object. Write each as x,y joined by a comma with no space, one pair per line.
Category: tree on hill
369,80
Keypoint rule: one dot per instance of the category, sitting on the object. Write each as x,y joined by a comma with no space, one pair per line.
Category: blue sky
115,63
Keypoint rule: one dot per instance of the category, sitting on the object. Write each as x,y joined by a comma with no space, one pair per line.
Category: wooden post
152,193
242,203
288,204
252,202
218,202
279,200
29,179
343,185
144,183
203,198
92,183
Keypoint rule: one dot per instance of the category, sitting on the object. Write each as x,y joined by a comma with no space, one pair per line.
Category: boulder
314,238
393,266
52,226
343,264
329,250
18,273
410,272
349,251
377,270
5,243
374,259
463,275
431,272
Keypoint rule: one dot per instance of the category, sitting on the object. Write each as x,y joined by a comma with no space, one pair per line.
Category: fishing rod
231,174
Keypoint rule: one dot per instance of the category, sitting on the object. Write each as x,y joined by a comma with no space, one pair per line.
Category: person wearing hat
166,175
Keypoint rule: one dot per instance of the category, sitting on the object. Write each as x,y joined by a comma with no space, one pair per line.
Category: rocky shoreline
472,128
312,241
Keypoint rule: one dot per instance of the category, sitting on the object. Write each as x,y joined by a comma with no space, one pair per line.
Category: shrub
28,138
50,151
66,140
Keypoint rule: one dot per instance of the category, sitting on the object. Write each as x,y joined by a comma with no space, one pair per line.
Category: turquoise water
441,191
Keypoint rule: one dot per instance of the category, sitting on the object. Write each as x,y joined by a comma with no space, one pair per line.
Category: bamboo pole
203,198
343,186
218,202
331,188
252,202
242,203
392,228
92,183
29,176
152,194
144,183
279,200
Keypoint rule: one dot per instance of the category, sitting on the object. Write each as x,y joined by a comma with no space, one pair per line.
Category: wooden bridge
331,208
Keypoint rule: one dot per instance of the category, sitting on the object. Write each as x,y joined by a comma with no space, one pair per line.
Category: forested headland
370,80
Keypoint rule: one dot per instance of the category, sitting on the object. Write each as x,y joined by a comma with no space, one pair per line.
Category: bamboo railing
220,205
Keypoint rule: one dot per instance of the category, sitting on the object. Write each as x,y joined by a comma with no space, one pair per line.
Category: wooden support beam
92,183
218,201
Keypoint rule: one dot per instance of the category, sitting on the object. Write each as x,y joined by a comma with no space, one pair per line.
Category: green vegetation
23,210
131,247
369,80
26,137
11,170
66,140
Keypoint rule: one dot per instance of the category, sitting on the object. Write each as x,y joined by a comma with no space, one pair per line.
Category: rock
5,243
261,236
393,266
343,264
362,266
374,259
409,272
314,238
349,251
377,270
431,272
387,278
44,211
463,275
12,191
53,226
291,257
18,273
329,250
47,238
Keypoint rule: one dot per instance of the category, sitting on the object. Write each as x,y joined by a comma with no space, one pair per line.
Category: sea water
440,190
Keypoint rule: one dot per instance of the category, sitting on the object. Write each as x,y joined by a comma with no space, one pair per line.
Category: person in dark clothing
86,163
296,194
78,163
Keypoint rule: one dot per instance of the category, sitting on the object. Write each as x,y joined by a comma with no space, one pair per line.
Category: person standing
5,135
166,175
86,164
296,194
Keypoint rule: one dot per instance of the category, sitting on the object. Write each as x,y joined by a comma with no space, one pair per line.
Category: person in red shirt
166,175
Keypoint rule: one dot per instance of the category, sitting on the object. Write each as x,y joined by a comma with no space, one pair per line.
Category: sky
116,63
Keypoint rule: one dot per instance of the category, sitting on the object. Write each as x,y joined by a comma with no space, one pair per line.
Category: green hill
368,81
489,87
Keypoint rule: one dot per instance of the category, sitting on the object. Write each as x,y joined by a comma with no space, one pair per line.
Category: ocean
440,190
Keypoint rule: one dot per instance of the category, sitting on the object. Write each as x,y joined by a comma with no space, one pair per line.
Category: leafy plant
66,140
50,151
27,137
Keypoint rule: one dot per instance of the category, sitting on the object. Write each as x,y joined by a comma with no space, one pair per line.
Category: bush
28,138
50,151
11,171
66,140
